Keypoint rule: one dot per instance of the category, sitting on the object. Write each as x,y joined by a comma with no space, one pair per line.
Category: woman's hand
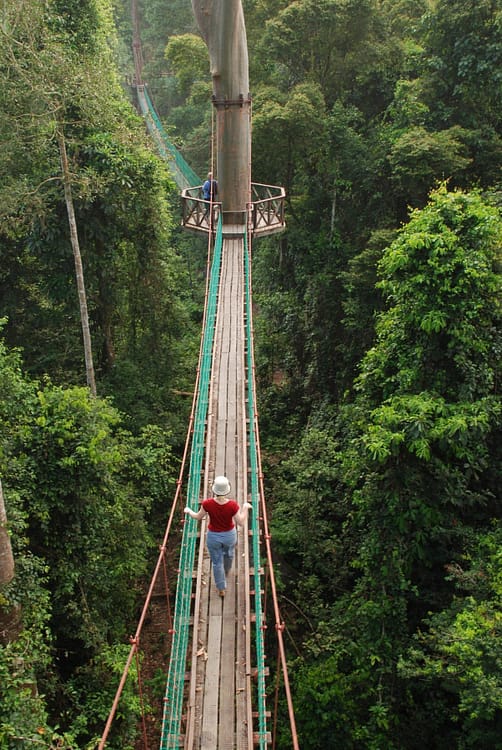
198,516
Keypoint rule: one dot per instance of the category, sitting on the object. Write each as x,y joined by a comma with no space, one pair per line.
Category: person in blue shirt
210,188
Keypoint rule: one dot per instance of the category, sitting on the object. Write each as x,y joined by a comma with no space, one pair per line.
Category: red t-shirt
220,516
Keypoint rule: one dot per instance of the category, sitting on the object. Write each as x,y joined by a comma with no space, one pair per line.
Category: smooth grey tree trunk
9,615
222,26
79,271
6,556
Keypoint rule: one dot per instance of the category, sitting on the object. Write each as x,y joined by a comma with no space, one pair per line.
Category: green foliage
361,300
431,374
123,219
301,522
188,56
16,392
445,260
295,124
78,490
132,268
76,20
89,696
24,717
460,651
450,92
81,512
309,40
393,489
463,47
417,157
157,26
423,470
325,705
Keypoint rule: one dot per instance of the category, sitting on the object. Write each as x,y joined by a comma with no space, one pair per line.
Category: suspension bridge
219,693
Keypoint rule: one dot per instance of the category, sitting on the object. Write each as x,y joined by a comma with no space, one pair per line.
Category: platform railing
265,213
267,209
197,212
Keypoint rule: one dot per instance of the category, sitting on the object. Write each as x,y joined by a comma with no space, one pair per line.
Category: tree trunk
333,213
222,26
79,272
9,616
6,557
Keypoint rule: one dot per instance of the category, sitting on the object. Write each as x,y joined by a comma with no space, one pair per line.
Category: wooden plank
226,732
241,735
199,646
243,698
229,370
209,734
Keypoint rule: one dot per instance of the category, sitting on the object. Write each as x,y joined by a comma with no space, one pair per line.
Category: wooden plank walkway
219,712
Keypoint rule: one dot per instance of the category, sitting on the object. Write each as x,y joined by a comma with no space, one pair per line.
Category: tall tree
39,61
222,26
6,557
429,417
7,620
79,271
459,80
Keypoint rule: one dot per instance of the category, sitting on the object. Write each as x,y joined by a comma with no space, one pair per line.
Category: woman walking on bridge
221,537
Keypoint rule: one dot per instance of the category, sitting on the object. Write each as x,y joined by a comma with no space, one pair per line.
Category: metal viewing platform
264,215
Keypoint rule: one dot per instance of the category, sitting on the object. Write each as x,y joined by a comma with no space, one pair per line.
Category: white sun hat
221,486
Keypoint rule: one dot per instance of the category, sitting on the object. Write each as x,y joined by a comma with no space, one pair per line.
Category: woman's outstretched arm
199,515
242,514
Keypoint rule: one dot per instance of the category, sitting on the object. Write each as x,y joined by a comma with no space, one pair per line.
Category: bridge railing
267,209
199,215
182,171
265,213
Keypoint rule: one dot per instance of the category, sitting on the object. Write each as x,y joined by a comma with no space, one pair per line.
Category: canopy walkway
216,682
183,174
217,692
223,664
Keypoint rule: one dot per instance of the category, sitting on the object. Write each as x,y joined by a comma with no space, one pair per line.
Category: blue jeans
221,546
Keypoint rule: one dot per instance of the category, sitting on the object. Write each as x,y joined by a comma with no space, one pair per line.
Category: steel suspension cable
257,479
255,501
173,700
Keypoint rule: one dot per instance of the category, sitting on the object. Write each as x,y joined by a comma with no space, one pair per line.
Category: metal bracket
226,103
